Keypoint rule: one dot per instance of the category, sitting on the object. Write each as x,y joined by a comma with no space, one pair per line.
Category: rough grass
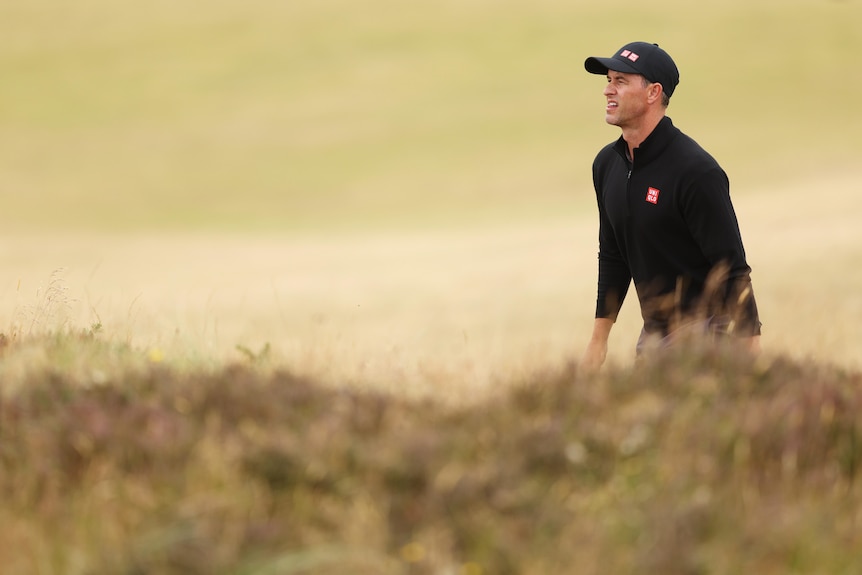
698,462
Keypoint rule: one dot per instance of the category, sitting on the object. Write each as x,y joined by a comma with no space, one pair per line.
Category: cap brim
601,66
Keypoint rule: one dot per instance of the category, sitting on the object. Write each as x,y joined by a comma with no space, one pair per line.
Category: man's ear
654,92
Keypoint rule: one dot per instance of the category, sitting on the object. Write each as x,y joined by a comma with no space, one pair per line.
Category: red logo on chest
652,195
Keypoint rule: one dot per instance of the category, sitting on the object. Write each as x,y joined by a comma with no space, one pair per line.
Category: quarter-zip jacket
667,222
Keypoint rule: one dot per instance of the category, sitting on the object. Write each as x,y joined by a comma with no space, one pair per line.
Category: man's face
626,99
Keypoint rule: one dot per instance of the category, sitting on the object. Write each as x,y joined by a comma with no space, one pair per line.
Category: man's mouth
611,105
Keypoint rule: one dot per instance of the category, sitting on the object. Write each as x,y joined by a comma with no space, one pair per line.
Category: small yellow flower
155,355
413,552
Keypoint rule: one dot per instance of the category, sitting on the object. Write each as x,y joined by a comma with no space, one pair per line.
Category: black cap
642,58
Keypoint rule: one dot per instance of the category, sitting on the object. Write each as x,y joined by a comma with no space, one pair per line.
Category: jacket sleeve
712,221
614,273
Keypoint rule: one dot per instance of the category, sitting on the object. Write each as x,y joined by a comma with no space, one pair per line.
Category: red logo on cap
652,195
625,53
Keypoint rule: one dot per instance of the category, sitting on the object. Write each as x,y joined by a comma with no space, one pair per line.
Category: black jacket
667,222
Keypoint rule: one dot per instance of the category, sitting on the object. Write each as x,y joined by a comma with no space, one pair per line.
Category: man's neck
635,135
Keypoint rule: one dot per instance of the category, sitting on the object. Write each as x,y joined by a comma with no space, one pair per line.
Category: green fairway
333,114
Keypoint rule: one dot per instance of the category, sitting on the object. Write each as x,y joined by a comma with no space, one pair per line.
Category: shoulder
702,181
607,156
690,154
605,153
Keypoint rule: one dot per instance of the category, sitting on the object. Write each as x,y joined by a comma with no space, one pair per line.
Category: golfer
666,221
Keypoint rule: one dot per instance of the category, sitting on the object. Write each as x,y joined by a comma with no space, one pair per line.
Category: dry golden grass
283,145
448,312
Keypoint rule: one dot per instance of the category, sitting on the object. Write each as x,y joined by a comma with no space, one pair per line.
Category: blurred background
291,115
341,120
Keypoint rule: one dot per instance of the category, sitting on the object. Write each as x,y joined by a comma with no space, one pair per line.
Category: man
665,217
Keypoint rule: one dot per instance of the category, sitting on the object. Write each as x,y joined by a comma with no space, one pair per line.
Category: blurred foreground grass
381,113
699,462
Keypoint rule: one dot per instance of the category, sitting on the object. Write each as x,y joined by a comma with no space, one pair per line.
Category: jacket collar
652,147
